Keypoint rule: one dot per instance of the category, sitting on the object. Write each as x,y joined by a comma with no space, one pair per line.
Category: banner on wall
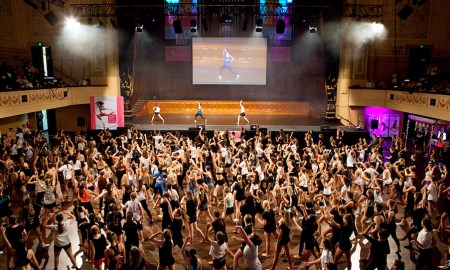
107,112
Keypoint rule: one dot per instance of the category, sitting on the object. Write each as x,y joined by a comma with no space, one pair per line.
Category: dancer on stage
242,113
157,111
227,64
200,113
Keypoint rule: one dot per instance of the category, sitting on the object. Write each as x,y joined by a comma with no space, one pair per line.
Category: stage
288,123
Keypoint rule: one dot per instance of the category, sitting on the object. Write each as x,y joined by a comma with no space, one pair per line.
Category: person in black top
283,240
248,208
191,212
30,215
218,225
418,215
22,256
166,259
177,226
131,228
136,261
167,214
379,248
270,226
307,239
115,253
345,244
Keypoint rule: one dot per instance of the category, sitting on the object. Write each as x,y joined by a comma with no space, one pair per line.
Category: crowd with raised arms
268,188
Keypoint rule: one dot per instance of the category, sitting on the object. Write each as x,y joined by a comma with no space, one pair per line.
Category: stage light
259,26
72,22
100,26
51,18
312,29
139,27
40,44
193,26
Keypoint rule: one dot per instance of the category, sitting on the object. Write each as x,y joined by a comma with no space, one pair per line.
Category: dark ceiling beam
188,9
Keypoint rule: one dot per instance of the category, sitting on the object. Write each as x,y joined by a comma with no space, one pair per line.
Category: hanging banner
107,112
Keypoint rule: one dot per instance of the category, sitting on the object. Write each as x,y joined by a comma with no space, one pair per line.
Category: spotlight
139,27
100,26
72,22
312,29
259,23
193,26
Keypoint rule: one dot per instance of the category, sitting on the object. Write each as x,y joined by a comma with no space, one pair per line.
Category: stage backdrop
107,112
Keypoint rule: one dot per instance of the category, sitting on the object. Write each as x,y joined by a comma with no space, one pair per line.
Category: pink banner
178,54
280,54
107,112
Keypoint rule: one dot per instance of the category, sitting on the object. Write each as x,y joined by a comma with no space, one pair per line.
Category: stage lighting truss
139,27
194,9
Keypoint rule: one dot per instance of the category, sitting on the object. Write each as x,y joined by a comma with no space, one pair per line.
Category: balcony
21,102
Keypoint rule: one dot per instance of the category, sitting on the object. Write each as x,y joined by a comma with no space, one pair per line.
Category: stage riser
302,108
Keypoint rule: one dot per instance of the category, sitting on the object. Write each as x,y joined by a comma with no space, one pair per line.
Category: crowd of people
24,77
433,80
266,188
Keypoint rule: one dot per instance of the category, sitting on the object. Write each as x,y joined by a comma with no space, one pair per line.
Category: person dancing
242,114
227,64
157,111
199,113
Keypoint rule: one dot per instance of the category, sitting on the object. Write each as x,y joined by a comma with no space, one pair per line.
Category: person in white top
61,237
326,258
423,241
250,251
242,113
157,111
218,250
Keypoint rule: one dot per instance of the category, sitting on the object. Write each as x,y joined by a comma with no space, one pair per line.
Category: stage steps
227,107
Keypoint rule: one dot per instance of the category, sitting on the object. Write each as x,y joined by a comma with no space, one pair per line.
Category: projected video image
229,61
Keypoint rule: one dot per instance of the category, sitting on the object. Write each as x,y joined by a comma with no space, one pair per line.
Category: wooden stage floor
221,121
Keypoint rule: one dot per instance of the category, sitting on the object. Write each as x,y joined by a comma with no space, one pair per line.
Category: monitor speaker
199,126
81,122
324,128
281,25
254,126
374,124
177,27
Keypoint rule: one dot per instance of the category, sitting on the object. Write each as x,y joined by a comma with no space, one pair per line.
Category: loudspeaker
51,18
254,126
177,27
405,12
39,55
205,25
199,126
374,124
324,128
81,122
280,26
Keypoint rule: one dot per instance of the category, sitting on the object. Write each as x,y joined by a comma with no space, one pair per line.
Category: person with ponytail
23,257
61,237
136,262
283,240
115,254
218,250
30,214
270,226
203,204
166,259
190,257
84,197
